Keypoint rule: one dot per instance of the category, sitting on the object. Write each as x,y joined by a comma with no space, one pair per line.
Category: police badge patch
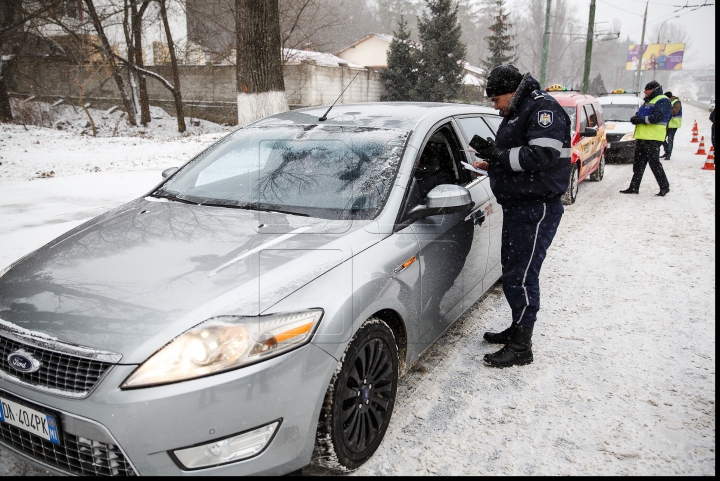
545,118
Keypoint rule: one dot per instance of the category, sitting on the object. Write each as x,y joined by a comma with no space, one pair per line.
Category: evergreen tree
501,49
442,53
401,75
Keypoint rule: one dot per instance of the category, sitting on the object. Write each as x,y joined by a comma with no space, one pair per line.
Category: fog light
228,450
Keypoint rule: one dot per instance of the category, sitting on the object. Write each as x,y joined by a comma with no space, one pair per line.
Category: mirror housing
168,172
444,199
589,132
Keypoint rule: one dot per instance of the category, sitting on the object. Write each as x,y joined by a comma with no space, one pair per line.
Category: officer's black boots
517,352
499,337
630,190
663,192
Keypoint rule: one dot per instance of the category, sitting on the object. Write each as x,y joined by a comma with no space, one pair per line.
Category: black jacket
534,165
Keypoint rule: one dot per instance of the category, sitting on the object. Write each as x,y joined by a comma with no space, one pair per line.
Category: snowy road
623,381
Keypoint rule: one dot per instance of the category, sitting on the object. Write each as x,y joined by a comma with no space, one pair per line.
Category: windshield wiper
253,207
174,197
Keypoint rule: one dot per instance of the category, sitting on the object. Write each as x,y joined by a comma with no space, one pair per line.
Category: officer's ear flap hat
652,85
503,80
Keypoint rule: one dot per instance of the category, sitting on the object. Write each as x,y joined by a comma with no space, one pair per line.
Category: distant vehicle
587,131
618,130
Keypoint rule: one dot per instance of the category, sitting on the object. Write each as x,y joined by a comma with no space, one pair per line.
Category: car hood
613,127
132,279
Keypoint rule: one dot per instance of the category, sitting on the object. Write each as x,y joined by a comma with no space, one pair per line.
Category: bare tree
133,13
260,83
175,90
12,21
111,59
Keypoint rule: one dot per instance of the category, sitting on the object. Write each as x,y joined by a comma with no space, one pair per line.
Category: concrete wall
208,90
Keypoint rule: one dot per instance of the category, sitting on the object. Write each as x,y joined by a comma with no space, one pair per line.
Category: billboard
657,56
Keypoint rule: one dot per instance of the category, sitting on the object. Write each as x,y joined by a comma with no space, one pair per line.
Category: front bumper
147,424
624,149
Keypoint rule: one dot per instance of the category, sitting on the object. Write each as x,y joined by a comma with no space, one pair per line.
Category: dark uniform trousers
648,152
669,141
527,234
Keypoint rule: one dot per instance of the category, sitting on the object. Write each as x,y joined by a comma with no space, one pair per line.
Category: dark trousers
669,142
648,152
526,235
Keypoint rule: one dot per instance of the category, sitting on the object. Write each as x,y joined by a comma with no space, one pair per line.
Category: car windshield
330,172
572,113
619,112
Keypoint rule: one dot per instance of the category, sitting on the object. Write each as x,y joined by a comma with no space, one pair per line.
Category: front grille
76,455
614,137
60,371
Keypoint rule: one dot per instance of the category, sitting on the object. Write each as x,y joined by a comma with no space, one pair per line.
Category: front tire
359,400
570,194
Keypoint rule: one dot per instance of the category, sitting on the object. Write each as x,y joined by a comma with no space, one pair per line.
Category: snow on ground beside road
624,375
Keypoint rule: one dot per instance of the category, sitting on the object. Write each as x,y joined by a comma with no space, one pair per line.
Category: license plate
30,420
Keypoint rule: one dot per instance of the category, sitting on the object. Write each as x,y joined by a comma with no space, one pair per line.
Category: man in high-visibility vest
650,122
674,123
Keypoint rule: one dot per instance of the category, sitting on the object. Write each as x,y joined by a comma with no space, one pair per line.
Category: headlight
223,343
626,137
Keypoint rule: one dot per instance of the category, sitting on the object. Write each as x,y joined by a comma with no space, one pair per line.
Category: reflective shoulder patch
545,118
538,94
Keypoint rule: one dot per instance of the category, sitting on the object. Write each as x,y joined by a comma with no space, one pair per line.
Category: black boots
499,337
517,352
630,190
663,192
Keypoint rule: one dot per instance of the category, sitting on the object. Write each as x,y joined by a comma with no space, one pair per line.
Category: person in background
712,129
662,58
529,169
650,123
673,124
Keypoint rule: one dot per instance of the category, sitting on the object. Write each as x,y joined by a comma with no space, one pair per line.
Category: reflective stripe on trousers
527,234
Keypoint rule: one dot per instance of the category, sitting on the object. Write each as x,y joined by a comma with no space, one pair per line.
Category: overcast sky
699,23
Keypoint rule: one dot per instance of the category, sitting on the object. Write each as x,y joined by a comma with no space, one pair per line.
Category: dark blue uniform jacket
657,113
534,166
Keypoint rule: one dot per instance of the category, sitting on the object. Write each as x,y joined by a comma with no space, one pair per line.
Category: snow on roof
381,36
476,70
471,80
294,56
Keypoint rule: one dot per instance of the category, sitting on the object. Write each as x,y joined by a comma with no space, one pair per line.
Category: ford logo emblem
23,361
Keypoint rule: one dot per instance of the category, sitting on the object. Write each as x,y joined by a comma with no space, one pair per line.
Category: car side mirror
168,172
444,199
589,132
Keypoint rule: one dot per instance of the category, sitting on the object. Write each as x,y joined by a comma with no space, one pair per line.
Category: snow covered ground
623,381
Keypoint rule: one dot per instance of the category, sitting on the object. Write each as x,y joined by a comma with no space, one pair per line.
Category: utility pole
545,47
588,47
641,51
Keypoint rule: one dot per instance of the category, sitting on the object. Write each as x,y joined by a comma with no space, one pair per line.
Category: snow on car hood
131,280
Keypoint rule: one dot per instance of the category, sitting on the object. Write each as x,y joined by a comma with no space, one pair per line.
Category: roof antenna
324,117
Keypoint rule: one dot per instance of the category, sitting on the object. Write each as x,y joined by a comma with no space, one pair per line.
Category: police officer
529,169
650,122
674,124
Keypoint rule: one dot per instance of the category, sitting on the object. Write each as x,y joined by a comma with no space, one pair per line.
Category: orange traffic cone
710,161
694,133
701,148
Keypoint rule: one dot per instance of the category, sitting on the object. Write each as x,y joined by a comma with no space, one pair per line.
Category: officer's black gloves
485,149
635,120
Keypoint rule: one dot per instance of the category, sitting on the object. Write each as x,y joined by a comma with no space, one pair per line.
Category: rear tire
599,173
359,400
570,194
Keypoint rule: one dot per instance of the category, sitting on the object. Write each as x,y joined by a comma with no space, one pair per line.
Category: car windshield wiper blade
253,207
167,195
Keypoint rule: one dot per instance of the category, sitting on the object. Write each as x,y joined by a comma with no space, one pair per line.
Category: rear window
600,115
619,112
591,116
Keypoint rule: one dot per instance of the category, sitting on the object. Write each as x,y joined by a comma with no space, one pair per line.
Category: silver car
254,311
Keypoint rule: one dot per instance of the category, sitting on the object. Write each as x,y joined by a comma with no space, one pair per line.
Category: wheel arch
397,325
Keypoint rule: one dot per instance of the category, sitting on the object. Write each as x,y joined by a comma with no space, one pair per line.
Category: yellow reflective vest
676,121
650,131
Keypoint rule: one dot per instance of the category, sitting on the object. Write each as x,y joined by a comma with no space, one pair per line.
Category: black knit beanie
503,80
652,85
